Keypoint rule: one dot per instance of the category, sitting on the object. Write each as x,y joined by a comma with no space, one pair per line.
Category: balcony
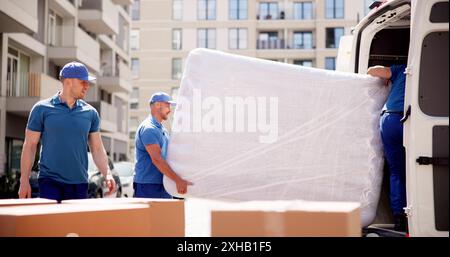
290,12
32,88
108,115
18,16
271,44
279,43
100,17
63,7
115,80
84,49
123,2
279,48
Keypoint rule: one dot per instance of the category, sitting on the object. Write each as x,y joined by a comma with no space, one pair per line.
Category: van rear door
426,135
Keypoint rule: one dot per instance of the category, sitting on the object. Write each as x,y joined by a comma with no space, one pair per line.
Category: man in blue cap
65,125
151,149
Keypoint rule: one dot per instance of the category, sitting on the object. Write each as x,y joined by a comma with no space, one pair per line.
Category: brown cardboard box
27,201
167,215
95,217
75,220
287,218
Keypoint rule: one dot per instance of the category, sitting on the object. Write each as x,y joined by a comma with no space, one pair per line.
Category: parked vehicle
126,173
415,33
97,187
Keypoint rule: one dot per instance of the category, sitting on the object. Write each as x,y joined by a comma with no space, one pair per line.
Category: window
303,40
303,11
306,63
268,11
177,9
237,38
17,74
176,39
174,93
334,9
330,63
132,134
176,68
134,105
238,9
206,9
13,153
134,122
269,40
134,39
433,77
134,93
54,29
206,38
135,68
105,96
333,36
136,10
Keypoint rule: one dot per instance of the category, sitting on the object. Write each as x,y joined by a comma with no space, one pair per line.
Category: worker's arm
26,161
155,154
380,72
101,159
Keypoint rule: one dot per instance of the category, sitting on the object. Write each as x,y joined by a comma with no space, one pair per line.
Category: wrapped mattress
253,129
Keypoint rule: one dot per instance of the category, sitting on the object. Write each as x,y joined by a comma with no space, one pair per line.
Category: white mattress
316,139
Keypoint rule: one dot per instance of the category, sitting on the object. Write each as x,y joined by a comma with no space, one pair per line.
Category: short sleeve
149,136
396,70
36,119
95,123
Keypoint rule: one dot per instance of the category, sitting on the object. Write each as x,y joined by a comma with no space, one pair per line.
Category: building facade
37,37
303,32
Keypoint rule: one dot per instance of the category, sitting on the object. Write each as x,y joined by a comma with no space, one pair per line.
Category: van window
433,77
439,13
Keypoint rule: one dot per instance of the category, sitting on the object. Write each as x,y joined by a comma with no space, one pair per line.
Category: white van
413,32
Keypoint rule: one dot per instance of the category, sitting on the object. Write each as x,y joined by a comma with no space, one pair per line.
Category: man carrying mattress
391,129
151,148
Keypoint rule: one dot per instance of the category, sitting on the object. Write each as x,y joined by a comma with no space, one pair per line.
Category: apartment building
302,32
37,37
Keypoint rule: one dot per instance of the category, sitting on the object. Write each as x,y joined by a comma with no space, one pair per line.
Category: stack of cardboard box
92,217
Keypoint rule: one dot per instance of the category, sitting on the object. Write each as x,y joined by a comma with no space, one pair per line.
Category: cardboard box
313,219
167,215
58,220
27,201
95,217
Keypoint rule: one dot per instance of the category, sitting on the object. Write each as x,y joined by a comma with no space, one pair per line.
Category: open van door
426,119
343,62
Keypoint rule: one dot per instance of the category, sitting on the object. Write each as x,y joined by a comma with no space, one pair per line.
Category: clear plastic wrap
251,129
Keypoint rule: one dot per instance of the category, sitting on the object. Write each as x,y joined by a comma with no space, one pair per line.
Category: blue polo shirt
396,97
150,131
64,138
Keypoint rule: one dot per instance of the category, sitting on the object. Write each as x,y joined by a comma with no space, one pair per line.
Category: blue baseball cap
75,70
161,97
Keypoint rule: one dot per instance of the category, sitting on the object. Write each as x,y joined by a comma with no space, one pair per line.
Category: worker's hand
182,185
110,184
25,189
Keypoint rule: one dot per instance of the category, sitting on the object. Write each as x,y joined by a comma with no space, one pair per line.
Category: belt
389,111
